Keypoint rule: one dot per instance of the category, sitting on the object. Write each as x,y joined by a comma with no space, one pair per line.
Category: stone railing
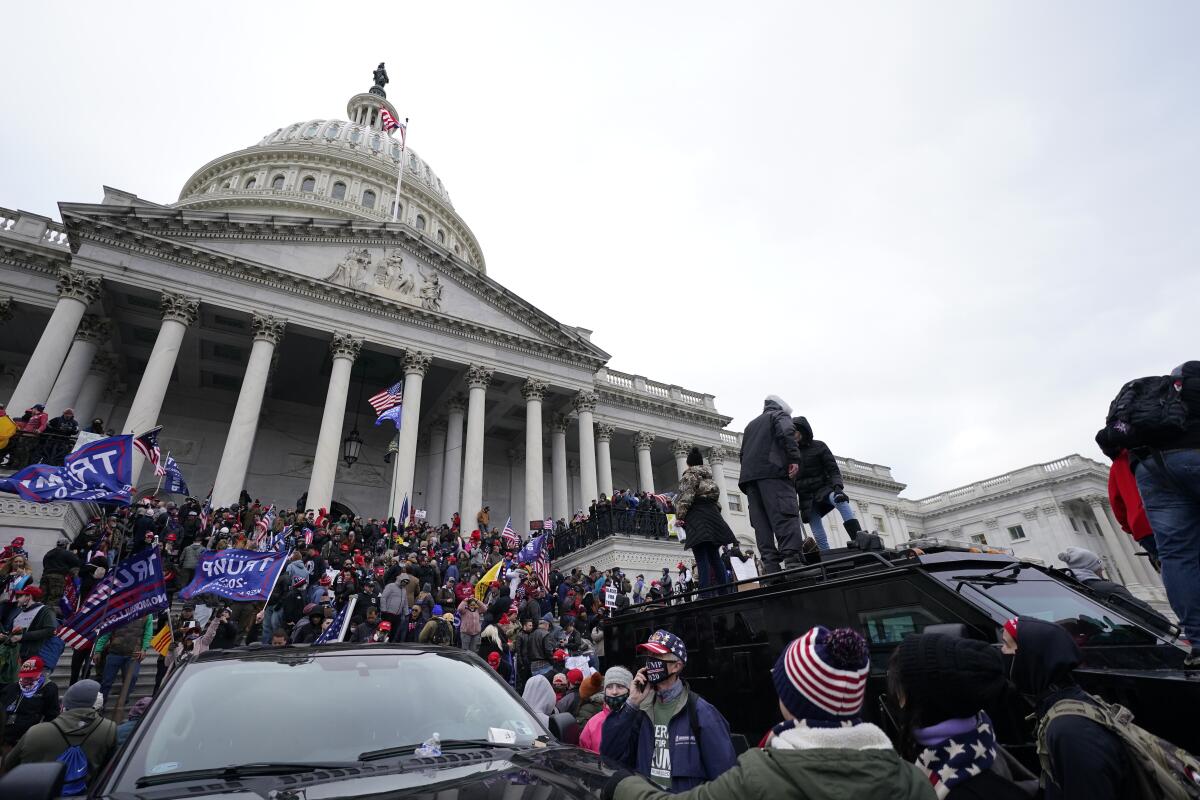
1016,478
33,227
637,384
731,439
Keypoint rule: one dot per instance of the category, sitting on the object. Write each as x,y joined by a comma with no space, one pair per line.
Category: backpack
76,761
1160,769
442,633
1147,412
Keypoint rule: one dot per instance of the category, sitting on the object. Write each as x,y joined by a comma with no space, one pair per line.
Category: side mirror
34,781
565,728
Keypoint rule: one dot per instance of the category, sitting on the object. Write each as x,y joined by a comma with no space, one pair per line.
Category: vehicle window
223,713
891,625
1090,623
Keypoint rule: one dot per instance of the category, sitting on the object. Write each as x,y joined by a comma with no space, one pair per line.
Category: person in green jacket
122,650
80,724
822,750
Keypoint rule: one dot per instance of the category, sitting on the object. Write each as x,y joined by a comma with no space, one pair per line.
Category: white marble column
178,312
239,442
643,441
533,390
478,379
416,364
91,332
716,460
437,468
516,493
1149,577
76,291
585,404
680,449
576,489
558,467
452,469
604,434
345,349
1124,561
103,369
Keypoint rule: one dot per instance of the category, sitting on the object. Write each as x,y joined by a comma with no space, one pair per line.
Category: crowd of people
36,438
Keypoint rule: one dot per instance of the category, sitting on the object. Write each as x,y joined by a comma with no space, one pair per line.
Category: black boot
853,528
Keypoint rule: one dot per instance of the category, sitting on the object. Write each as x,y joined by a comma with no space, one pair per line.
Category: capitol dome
333,168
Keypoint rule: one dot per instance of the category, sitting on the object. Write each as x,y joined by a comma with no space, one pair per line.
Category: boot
853,528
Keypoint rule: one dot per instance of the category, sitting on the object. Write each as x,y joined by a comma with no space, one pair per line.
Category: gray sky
946,232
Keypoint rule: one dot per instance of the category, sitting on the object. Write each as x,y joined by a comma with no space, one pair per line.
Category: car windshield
331,708
1031,593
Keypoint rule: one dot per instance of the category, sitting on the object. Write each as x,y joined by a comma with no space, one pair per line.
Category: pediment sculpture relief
357,270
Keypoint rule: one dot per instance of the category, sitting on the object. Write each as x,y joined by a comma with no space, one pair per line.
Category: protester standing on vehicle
770,460
820,486
1124,498
697,507
1088,761
822,749
666,732
941,684
78,726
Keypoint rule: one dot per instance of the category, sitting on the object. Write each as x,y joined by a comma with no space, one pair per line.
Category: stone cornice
662,408
990,497
128,228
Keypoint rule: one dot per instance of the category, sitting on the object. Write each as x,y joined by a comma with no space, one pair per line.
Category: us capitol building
254,316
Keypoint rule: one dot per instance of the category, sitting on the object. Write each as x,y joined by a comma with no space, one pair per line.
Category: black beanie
694,459
948,677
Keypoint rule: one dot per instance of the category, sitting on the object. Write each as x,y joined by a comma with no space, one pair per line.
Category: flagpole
349,613
158,488
400,173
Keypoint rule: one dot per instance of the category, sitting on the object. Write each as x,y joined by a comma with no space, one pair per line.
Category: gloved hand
839,496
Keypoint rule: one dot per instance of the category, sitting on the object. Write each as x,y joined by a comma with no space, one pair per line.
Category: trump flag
97,472
241,575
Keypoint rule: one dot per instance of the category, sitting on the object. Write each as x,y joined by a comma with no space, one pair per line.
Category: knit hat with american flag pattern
822,676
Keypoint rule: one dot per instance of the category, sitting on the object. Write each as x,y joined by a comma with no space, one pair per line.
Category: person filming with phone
666,732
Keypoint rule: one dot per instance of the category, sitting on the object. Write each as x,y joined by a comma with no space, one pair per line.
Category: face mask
615,702
656,671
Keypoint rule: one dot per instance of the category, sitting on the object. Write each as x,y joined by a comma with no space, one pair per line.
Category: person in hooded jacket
823,750
1089,761
539,696
698,508
770,460
33,698
941,683
1088,569
820,486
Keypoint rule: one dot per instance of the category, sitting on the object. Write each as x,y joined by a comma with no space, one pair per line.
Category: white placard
420,513
580,663
610,596
743,569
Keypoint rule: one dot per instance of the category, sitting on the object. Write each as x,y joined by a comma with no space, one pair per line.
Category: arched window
332,131
308,184
395,151
229,183
251,183
339,191
376,143
420,222
356,136
277,182
456,250
368,199
441,237
311,130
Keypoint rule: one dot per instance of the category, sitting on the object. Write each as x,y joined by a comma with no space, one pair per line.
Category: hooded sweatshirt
769,444
1089,761
539,696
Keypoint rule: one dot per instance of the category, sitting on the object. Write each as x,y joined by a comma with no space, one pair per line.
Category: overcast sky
946,232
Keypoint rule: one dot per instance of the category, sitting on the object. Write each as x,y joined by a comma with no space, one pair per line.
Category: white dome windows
339,191
368,198
376,143
441,234
356,135
332,131
251,182
309,184
277,183
311,130
420,223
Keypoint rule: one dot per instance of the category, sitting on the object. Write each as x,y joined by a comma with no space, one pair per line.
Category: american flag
387,398
390,124
264,524
205,513
548,525
147,445
537,554
509,535
337,628
665,501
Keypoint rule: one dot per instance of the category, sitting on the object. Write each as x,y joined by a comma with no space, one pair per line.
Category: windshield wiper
990,578
240,771
447,744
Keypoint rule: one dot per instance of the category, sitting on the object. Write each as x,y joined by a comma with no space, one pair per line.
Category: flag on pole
134,588
337,627
537,554
548,525
174,482
492,574
390,124
387,398
147,445
402,520
205,513
264,524
163,640
509,535
392,415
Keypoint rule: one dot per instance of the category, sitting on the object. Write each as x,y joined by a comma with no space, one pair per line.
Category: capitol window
277,182
441,237
251,183
308,184
332,131
1016,533
311,130
376,144
368,199
735,502
356,136
339,191
420,222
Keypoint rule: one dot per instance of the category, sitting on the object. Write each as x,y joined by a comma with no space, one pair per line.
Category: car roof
266,652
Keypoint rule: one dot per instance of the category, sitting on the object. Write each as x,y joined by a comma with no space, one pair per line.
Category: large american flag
548,525
337,628
390,124
147,445
387,398
264,524
509,535
205,513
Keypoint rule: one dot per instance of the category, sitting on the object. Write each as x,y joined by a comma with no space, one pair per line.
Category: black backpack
1147,412
442,633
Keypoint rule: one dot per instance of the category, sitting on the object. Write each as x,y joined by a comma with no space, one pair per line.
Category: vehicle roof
255,652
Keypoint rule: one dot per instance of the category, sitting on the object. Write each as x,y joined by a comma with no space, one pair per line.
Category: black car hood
545,773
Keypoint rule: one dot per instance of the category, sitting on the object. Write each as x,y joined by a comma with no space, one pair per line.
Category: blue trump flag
133,589
173,481
242,575
97,472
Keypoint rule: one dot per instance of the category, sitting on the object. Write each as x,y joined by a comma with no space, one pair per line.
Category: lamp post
352,444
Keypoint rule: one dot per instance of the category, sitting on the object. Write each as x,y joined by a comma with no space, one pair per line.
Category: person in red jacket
1125,499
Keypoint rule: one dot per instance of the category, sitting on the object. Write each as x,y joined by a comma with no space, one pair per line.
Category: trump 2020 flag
96,472
133,589
173,481
242,575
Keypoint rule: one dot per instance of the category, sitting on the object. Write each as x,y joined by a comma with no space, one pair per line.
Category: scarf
956,750
30,692
800,735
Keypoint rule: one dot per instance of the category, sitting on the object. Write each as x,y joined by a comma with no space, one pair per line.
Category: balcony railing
650,523
637,384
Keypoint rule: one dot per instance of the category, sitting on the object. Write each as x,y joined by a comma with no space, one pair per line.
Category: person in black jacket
1168,480
819,485
770,460
1089,761
32,699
